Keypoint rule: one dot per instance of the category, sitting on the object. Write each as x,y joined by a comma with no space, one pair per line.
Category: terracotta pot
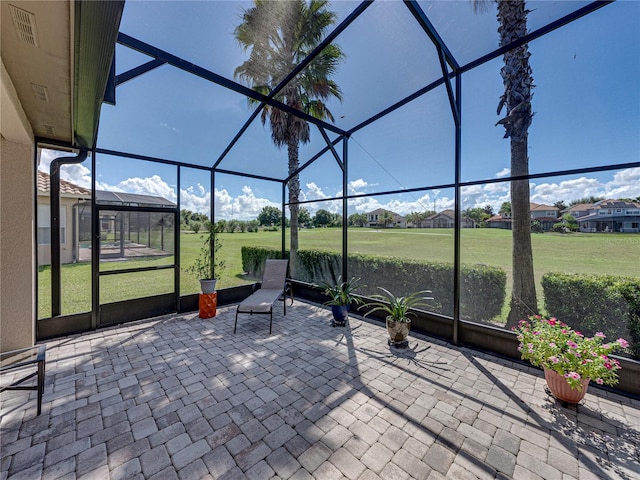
398,332
562,390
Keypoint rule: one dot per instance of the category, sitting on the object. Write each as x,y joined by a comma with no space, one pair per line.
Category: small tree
195,226
269,216
205,267
385,218
304,218
323,218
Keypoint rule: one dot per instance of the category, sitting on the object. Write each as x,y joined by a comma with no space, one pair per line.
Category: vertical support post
283,222
345,205
95,248
54,211
456,237
176,244
121,228
212,210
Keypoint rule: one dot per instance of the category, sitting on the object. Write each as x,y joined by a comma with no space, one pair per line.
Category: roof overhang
56,58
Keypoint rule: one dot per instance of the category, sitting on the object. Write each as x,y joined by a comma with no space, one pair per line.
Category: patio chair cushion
260,301
274,285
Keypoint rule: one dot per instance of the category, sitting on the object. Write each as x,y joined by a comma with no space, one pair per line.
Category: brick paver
178,397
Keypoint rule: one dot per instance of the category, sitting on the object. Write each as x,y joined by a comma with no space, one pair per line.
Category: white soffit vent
49,129
25,23
40,91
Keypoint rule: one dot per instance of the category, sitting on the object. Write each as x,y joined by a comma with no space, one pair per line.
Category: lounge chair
274,286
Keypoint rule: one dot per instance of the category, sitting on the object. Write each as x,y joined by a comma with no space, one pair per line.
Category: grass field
602,253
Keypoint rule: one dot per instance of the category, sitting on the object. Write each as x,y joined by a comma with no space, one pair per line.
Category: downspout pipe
54,182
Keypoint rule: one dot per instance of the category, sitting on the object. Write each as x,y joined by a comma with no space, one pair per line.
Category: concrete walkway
182,397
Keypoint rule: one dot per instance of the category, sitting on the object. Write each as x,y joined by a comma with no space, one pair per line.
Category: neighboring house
71,196
579,210
499,221
75,217
547,215
611,216
375,216
445,219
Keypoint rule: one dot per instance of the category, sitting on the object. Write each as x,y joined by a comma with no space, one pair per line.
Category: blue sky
586,104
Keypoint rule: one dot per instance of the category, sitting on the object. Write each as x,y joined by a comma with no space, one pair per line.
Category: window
44,225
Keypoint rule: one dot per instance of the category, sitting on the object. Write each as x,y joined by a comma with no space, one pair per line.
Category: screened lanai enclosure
470,148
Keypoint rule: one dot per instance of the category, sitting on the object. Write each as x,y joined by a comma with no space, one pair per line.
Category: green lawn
615,254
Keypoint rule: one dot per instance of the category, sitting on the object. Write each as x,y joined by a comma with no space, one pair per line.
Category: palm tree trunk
294,195
523,294
518,82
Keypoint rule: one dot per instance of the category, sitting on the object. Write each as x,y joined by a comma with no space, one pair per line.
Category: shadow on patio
182,397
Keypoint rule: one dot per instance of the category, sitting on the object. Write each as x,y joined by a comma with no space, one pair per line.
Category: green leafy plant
552,344
342,293
204,267
397,307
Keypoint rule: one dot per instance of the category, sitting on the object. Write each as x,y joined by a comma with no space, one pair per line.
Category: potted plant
569,359
341,296
398,310
204,267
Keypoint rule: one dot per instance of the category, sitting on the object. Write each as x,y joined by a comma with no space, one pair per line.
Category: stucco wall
17,305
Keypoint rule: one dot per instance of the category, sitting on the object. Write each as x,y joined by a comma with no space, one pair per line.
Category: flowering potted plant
569,359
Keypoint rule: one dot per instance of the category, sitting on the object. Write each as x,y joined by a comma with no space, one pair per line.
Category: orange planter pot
562,390
207,304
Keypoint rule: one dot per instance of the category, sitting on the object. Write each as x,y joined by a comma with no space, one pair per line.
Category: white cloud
246,206
503,173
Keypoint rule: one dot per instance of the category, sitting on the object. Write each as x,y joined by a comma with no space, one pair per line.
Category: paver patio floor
182,397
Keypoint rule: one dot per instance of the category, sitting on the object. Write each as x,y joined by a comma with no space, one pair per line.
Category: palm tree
279,35
518,83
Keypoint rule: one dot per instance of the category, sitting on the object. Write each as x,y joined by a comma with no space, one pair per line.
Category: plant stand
207,304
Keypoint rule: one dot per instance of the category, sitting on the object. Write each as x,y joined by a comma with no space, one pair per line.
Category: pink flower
554,359
574,375
600,334
552,345
608,365
622,342
599,381
572,344
579,334
552,321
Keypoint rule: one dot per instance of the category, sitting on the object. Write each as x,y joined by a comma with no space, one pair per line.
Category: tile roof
66,188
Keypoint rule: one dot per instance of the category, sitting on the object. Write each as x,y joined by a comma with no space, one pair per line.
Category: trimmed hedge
482,288
596,303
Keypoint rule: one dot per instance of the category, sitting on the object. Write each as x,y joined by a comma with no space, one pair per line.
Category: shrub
483,288
195,226
592,303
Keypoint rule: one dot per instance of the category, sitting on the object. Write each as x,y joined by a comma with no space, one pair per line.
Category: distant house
499,221
75,216
445,219
611,216
546,215
374,219
71,196
579,210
